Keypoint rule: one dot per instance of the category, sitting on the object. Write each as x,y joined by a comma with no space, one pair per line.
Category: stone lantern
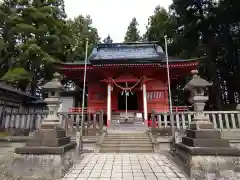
53,88
203,151
197,86
50,138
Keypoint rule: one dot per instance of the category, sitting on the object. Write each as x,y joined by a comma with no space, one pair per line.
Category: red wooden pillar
145,111
109,104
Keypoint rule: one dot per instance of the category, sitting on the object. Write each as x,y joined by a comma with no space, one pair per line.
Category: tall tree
132,34
7,43
108,40
42,39
82,28
209,25
159,24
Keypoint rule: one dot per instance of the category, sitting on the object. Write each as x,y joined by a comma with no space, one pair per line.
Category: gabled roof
129,53
141,52
11,89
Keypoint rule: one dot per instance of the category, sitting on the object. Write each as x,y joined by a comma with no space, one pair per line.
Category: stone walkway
110,166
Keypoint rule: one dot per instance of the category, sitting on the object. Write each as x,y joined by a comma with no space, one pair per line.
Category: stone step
124,135
129,139
126,150
128,142
126,145
127,134
117,120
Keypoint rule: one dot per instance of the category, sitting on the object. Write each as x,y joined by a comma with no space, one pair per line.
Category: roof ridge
129,44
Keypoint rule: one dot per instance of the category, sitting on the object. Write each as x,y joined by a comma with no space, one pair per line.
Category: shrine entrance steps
132,125
126,143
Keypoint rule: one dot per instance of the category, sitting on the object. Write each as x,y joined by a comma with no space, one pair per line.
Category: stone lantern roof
55,84
196,82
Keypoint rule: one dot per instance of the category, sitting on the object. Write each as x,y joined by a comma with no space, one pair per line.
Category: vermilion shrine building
137,68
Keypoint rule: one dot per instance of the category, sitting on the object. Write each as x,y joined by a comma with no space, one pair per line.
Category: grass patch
4,134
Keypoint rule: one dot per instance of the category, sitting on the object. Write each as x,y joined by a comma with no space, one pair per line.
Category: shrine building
135,70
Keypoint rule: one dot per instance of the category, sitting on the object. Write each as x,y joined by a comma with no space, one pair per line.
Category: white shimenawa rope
127,88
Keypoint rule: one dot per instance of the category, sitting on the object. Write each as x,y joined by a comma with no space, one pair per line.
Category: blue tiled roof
127,52
144,52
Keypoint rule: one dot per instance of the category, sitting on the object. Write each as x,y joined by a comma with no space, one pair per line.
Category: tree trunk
230,91
34,88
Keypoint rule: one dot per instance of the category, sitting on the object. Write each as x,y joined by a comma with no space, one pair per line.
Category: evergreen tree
7,42
132,34
41,39
81,28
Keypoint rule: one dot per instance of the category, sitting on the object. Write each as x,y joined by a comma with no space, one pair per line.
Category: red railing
180,108
94,109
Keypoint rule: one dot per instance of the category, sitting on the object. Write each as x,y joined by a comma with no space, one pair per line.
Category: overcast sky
113,16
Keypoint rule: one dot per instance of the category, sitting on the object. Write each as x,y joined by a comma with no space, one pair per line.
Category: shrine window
155,95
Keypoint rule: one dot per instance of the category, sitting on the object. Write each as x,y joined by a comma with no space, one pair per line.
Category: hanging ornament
127,88
131,92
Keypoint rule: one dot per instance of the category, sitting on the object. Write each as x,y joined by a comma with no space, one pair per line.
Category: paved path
124,166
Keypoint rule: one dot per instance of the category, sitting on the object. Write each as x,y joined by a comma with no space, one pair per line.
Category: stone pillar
238,107
109,105
51,138
203,151
145,111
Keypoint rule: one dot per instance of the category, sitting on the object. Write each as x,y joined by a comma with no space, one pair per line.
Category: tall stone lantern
50,138
53,88
197,87
201,132
202,151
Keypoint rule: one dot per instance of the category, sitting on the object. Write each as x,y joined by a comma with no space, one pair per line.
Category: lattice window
155,95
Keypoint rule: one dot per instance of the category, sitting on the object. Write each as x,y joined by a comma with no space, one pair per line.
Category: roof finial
194,72
56,75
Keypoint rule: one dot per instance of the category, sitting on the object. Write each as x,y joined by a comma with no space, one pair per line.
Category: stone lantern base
47,141
203,155
50,155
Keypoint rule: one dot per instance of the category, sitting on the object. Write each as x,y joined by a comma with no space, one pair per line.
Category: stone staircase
126,143
118,124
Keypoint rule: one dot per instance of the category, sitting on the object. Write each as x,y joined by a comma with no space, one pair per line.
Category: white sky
113,16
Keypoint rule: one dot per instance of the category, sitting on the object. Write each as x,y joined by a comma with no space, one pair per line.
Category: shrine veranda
137,70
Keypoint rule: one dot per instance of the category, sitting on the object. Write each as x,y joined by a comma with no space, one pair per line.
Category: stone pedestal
47,154
204,138
201,163
36,167
203,153
47,141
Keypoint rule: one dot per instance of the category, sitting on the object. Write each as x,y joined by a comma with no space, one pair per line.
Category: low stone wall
215,167
161,139
41,166
208,167
235,143
33,167
231,134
